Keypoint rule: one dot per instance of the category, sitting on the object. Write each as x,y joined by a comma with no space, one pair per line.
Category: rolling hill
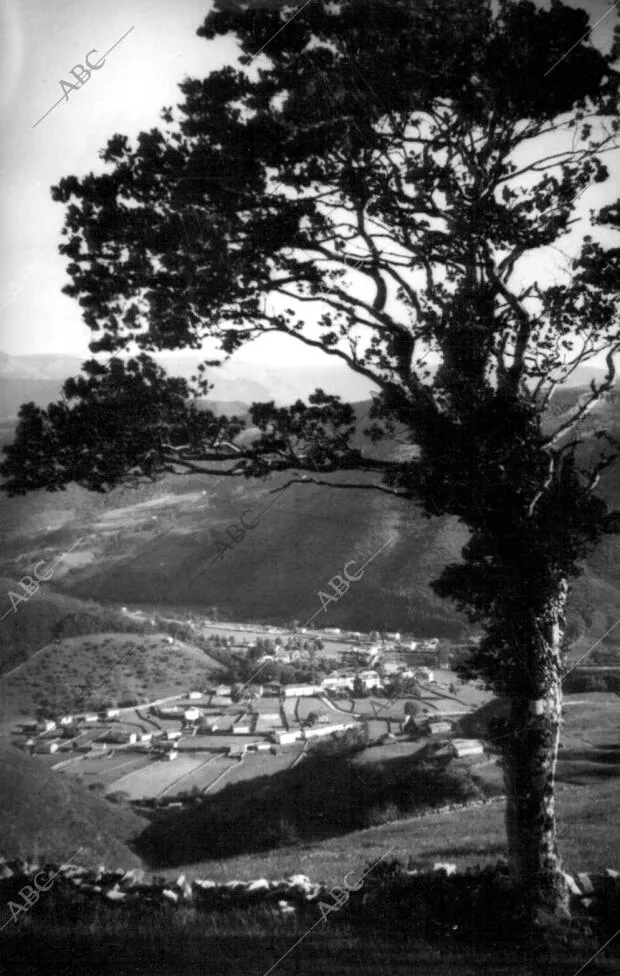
179,543
46,815
90,671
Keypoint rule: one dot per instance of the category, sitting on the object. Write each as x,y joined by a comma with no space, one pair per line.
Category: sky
156,47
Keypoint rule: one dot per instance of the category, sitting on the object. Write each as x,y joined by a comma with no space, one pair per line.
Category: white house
439,728
193,695
191,715
467,747
171,735
90,717
424,674
284,738
301,691
46,725
66,720
322,730
172,754
171,711
241,730
46,747
146,737
121,738
337,684
332,630
112,713
369,676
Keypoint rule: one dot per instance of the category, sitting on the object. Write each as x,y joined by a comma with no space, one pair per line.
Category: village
386,691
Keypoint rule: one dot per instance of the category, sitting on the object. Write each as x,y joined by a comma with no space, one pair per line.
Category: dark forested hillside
149,545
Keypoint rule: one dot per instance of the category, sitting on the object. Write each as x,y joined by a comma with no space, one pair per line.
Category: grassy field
156,777
588,829
259,944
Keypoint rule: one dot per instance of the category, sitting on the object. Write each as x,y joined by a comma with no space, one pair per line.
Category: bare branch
597,392
336,484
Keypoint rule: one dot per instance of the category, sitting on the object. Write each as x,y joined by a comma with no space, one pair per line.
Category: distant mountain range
39,378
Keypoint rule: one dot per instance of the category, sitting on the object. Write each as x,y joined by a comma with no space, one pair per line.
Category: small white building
439,728
194,695
337,684
171,735
66,720
146,737
46,747
170,711
301,691
191,715
322,730
120,738
369,676
172,754
223,691
424,674
284,738
241,730
332,630
112,713
46,725
90,717
467,747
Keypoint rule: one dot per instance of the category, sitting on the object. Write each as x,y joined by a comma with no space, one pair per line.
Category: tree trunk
530,757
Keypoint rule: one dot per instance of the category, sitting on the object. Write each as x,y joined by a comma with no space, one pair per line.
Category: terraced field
107,771
156,778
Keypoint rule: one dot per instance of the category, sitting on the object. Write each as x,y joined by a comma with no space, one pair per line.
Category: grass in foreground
588,831
259,943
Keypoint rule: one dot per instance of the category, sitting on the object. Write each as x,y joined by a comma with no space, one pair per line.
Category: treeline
46,617
99,620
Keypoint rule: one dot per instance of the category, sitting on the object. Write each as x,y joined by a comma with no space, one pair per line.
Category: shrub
378,815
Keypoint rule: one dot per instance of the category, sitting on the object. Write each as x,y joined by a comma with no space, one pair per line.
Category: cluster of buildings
369,662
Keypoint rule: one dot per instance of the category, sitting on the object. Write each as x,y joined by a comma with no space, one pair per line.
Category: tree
379,184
